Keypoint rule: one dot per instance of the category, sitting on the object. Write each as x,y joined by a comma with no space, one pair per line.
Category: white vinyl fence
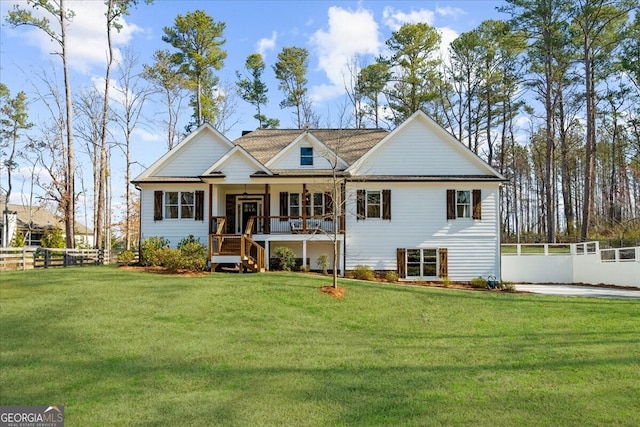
571,263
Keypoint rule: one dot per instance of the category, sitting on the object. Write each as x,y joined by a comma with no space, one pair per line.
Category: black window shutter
451,204
361,203
284,205
386,204
157,205
477,204
401,254
443,263
199,214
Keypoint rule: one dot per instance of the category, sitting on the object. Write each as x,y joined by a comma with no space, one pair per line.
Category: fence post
46,258
24,258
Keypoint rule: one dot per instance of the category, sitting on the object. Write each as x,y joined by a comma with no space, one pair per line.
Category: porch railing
293,225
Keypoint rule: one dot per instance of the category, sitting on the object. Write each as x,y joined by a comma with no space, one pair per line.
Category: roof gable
348,144
226,163
421,147
323,157
192,156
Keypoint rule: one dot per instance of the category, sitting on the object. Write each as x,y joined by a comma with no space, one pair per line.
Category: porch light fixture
245,195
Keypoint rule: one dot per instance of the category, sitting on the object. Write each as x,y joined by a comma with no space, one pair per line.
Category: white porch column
341,257
267,247
304,253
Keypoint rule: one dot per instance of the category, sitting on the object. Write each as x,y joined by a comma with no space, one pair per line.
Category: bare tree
62,17
132,96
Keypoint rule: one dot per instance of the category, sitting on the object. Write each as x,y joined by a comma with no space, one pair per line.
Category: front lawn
122,348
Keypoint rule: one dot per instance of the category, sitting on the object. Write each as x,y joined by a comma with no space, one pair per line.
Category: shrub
478,282
126,257
194,255
305,268
363,272
323,263
149,250
52,238
446,282
18,240
187,240
508,286
391,276
285,256
171,259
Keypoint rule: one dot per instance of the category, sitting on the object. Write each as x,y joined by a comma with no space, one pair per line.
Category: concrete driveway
580,291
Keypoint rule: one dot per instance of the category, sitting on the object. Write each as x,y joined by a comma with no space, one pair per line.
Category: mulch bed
334,292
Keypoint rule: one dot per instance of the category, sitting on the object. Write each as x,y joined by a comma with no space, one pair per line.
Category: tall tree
291,71
464,72
254,90
57,10
371,82
133,96
414,67
13,121
544,21
599,25
163,74
198,40
116,9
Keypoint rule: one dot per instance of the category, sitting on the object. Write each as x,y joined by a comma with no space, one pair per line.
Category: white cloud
453,12
266,44
87,38
395,19
349,33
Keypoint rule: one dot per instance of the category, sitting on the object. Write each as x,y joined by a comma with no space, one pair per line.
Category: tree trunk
69,205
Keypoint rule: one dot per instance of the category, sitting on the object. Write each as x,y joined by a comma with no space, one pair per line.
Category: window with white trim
179,204
315,203
306,156
374,204
422,263
463,204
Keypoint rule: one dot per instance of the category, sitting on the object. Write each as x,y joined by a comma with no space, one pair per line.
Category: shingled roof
349,144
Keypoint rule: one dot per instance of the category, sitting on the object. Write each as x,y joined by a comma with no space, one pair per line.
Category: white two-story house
414,200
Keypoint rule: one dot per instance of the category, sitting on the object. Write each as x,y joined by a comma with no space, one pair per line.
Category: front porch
308,237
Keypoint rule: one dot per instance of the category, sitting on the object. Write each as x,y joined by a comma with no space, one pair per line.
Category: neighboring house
414,200
34,221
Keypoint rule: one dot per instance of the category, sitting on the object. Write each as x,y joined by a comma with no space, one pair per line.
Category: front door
248,209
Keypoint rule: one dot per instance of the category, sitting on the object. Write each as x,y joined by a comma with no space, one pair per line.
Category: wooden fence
29,258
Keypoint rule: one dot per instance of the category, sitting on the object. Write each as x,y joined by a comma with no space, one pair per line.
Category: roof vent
244,132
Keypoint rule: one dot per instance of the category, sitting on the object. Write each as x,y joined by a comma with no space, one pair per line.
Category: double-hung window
373,204
306,156
374,208
295,208
464,204
316,204
179,204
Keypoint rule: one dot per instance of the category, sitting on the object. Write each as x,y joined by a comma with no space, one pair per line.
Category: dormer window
306,156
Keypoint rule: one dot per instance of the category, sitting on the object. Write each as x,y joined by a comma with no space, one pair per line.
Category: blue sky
332,31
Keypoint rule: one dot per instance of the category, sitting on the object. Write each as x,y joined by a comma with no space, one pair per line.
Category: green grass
120,348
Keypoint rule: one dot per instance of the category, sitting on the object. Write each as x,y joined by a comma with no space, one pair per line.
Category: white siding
237,169
418,220
195,157
418,150
290,157
173,230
